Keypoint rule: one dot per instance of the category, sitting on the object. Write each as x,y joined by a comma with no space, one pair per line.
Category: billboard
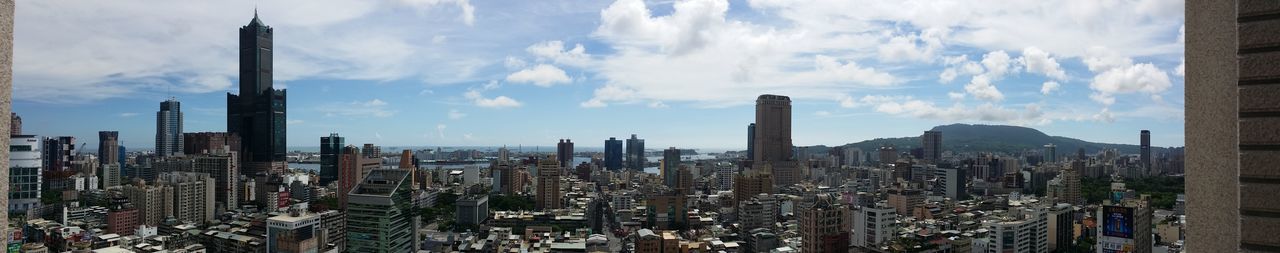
1117,221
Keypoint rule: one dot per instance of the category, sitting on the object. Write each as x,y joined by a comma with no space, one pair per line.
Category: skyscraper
193,197
24,173
371,151
1050,153
108,147
613,154
257,113
670,163
751,141
564,152
773,128
379,215
210,142
635,153
330,153
773,147
953,181
932,143
1145,149
169,128
548,195
15,124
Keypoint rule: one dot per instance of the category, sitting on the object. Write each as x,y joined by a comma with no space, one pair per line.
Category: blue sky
678,73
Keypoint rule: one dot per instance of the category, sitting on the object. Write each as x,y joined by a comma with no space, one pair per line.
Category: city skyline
906,73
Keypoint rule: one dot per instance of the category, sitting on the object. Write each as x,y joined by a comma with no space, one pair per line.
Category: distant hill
996,138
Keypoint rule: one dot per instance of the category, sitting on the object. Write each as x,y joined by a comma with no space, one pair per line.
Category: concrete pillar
6,99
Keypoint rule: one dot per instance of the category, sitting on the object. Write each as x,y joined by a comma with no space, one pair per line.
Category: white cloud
514,63
998,64
495,102
1039,61
593,103
371,108
191,46
1181,68
922,47
657,104
1049,87
128,114
986,112
294,122
468,12
555,52
822,113
455,114
438,39
440,130
1101,59
956,95
541,75
947,75
1143,78
981,88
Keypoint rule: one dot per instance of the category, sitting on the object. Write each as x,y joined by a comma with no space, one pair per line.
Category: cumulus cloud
555,51
998,64
496,102
128,114
1039,61
985,112
914,47
1049,87
1143,77
467,11
981,88
541,75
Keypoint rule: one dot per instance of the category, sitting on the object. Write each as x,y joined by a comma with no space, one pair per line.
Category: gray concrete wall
1213,220
6,94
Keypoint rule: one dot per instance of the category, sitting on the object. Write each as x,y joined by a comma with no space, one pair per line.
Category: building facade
295,232
193,198
548,194
257,113
635,153
564,152
330,154
670,163
932,143
25,175
613,154
379,217
169,128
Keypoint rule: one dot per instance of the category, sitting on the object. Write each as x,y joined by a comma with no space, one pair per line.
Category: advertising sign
1117,221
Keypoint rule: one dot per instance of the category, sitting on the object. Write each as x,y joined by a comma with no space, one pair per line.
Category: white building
24,173
873,225
1019,231
724,177
293,232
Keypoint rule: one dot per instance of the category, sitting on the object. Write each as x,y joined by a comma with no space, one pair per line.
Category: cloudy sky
678,73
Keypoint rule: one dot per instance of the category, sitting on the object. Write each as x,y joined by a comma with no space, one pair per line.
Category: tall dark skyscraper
613,154
932,143
257,114
564,153
773,128
169,128
108,147
670,167
1145,148
635,153
330,155
751,141
773,150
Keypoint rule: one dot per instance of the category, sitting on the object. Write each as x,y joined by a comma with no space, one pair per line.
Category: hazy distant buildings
932,143
379,213
548,195
330,154
564,152
751,141
15,124
635,153
257,113
1145,150
210,142
1050,153
670,163
613,154
169,128
888,154
24,173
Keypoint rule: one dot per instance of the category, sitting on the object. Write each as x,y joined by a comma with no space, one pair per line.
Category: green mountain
995,138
